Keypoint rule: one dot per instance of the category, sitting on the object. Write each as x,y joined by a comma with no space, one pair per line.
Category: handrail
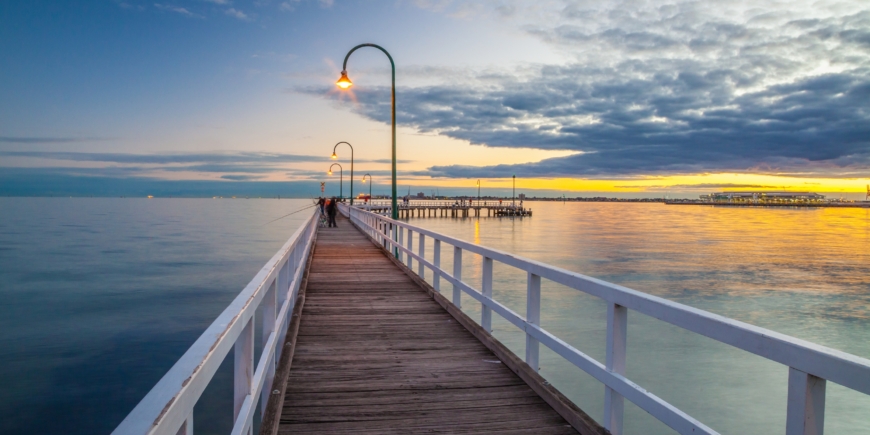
472,202
168,407
810,365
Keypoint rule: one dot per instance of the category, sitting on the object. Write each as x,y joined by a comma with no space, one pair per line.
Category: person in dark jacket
322,204
331,210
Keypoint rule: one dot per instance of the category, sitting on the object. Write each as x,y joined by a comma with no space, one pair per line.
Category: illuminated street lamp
340,179
370,184
335,156
345,83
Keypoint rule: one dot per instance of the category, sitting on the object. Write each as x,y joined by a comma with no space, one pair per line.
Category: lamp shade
344,82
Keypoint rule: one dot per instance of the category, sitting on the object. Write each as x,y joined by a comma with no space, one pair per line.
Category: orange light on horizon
344,82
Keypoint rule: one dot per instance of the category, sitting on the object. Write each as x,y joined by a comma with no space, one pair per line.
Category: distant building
421,195
778,197
521,197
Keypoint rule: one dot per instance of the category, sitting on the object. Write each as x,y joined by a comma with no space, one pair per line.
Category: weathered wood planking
376,355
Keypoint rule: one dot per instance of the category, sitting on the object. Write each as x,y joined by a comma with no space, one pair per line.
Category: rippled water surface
802,272
101,296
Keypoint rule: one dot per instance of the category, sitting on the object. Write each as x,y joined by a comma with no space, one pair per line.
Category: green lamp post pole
345,83
514,199
370,184
335,156
340,180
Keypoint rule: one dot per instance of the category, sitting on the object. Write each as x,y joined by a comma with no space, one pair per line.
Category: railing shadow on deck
168,407
810,365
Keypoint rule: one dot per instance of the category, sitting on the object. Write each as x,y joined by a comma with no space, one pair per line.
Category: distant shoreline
864,204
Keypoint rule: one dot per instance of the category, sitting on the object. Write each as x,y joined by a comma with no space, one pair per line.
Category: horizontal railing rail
810,365
442,203
168,407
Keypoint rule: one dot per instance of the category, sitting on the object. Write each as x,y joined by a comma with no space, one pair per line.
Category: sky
622,98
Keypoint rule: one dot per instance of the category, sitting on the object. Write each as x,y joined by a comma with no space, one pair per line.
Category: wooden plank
375,354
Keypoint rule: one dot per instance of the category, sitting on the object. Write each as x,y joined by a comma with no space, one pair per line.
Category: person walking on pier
331,210
322,203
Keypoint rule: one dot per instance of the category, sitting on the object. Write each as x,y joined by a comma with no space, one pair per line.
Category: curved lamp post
345,83
478,191
335,156
370,184
340,179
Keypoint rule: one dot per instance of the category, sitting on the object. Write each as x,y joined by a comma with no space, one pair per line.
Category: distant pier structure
764,197
772,199
453,209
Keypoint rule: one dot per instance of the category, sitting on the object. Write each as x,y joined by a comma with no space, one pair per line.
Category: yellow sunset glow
700,182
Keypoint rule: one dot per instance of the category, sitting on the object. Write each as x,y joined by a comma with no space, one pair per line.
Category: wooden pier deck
375,354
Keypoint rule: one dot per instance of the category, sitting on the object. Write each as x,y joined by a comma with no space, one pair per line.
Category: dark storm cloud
673,90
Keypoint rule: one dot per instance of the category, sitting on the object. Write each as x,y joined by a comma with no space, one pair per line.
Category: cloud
171,158
663,88
177,9
288,6
242,177
183,158
219,2
19,139
233,12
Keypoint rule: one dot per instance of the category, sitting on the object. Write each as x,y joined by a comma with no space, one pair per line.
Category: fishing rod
288,214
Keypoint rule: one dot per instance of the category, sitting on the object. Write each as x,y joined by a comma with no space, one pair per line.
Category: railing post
186,427
533,316
806,404
457,273
421,251
410,249
396,253
486,287
243,355
401,243
617,335
436,260
270,316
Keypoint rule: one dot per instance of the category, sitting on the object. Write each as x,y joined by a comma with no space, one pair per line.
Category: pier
453,209
376,353
355,339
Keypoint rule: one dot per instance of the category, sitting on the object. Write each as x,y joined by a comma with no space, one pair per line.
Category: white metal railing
810,365
168,407
468,202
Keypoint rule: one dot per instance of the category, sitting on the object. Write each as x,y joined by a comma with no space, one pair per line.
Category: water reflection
803,272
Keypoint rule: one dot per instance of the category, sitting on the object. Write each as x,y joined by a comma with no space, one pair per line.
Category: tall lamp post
335,156
514,199
478,191
370,184
345,83
340,179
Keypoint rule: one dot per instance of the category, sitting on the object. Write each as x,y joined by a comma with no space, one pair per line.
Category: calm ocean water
101,296
802,272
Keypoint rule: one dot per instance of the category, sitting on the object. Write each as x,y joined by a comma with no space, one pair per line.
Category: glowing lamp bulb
344,82
334,156
330,172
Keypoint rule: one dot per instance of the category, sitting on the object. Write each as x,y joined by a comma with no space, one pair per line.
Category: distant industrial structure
763,197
